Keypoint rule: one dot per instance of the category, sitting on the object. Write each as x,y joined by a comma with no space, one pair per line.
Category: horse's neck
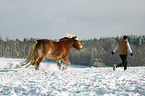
68,43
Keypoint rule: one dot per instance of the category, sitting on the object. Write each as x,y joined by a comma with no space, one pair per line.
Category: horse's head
77,44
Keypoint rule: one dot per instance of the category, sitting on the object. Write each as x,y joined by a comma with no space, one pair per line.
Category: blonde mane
69,35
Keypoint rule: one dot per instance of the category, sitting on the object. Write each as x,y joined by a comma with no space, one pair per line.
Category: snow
76,81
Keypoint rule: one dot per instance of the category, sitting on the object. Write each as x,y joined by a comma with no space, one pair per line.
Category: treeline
95,52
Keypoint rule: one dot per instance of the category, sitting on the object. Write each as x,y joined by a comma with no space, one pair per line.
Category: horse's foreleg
39,61
67,62
58,64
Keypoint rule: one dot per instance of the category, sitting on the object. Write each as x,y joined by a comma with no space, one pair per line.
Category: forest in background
95,52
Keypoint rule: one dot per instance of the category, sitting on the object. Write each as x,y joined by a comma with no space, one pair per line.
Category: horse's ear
75,38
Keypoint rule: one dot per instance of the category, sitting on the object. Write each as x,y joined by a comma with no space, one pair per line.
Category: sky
87,19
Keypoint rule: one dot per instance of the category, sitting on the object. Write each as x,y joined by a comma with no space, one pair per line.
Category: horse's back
44,45
43,41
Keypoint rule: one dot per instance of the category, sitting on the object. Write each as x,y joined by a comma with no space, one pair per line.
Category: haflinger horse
45,48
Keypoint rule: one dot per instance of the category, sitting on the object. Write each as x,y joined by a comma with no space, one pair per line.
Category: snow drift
76,81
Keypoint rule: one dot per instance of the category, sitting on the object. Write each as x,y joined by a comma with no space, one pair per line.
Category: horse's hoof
64,68
59,68
37,68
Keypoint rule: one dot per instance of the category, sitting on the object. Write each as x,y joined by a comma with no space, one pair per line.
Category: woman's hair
125,37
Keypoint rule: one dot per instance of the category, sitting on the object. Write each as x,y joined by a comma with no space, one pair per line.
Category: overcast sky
87,19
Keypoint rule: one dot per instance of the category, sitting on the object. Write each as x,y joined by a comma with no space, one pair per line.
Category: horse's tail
31,53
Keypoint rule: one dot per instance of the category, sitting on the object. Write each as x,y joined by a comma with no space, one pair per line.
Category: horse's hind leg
35,60
39,61
67,62
58,64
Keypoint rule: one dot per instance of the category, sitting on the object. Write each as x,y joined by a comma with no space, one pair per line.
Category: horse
59,50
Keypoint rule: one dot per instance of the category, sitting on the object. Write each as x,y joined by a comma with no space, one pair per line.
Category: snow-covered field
76,81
